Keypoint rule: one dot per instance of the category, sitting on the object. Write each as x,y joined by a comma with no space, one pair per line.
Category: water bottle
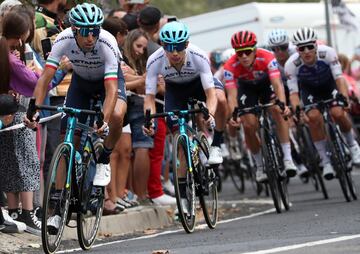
78,166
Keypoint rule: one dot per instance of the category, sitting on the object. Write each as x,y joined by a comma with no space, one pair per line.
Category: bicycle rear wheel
184,183
56,199
91,200
269,164
237,176
208,195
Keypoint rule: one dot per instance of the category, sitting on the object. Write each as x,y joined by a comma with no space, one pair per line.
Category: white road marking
202,226
303,245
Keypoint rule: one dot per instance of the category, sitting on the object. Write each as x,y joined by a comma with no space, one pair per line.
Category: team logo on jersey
228,75
243,99
273,65
75,52
188,64
322,54
94,52
258,74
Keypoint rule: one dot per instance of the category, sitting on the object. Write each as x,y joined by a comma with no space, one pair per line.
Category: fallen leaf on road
34,245
150,231
160,252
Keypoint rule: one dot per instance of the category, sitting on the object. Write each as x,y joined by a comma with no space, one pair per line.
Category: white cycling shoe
103,175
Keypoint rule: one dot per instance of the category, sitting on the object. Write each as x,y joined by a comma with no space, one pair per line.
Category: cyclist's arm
292,83
278,88
342,87
232,94
211,100
43,83
149,103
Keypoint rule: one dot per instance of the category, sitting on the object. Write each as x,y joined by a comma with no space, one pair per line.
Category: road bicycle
337,147
192,176
272,153
309,155
69,185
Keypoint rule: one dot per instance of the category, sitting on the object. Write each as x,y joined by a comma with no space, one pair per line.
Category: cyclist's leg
316,126
221,115
282,128
342,119
248,97
103,171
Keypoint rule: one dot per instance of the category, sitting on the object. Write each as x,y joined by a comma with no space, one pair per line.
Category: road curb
133,220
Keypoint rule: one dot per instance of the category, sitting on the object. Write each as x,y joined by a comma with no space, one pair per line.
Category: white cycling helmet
226,54
304,35
278,37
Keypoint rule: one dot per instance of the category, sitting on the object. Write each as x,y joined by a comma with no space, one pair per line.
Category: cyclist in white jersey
317,69
187,73
95,57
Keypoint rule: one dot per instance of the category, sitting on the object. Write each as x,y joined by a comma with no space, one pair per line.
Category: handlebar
68,110
180,113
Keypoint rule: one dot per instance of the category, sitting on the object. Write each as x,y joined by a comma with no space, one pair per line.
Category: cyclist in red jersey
252,75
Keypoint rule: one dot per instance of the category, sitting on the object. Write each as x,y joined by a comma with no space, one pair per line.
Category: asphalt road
313,225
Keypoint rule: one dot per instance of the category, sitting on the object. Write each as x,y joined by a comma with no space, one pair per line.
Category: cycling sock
286,148
349,136
258,159
321,148
105,156
218,138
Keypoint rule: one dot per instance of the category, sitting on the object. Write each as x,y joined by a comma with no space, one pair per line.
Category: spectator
19,165
134,72
8,107
133,6
5,6
119,13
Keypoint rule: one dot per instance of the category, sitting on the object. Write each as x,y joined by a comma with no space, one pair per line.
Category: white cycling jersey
101,63
197,65
326,69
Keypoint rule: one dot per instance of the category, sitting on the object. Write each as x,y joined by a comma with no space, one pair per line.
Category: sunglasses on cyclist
280,47
172,47
309,47
86,31
241,51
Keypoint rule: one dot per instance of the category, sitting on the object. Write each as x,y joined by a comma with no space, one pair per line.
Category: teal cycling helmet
174,32
86,15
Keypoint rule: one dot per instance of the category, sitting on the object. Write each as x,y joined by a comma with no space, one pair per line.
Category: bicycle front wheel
56,200
269,164
338,159
91,200
184,183
208,179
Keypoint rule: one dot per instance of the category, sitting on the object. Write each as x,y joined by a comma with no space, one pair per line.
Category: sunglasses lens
247,52
172,47
85,31
309,47
280,48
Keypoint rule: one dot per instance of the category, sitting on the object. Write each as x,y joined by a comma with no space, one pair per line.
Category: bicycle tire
91,202
237,176
281,181
351,184
310,152
180,148
209,198
55,205
269,161
337,159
